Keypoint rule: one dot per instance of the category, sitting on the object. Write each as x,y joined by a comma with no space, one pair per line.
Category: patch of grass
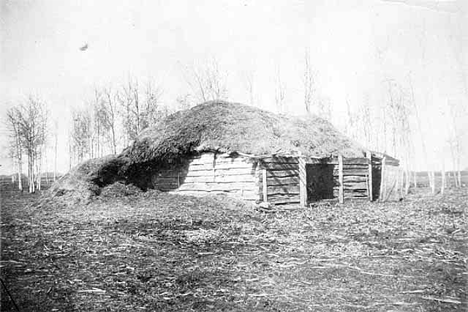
155,251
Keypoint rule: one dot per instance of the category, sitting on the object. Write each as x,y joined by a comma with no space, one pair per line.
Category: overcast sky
354,45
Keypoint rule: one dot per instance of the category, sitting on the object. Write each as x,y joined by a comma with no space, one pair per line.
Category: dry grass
232,127
160,252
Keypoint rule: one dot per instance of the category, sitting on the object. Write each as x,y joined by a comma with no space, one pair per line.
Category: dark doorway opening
320,182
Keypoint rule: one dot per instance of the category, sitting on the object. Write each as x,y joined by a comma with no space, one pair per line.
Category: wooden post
264,185
382,180
369,176
340,179
302,182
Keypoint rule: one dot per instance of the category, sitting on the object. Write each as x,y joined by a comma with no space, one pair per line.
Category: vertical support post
340,179
264,185
369,176
382,180
214,167
302,182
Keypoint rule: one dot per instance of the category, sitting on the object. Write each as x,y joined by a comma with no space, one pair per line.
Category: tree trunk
31,186
432,181
20,173
407,181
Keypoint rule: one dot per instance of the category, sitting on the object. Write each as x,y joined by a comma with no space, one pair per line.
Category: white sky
354,45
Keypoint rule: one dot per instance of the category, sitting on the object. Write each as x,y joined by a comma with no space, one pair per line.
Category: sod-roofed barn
242,151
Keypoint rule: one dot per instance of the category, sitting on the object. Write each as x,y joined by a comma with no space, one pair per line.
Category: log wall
282,180
355,178
211,173
272,179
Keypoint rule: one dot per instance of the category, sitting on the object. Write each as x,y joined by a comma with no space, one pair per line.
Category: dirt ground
133,251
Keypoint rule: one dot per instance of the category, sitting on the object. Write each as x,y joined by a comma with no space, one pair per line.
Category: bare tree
16,146
139,108
130,109
430,174
108,116
208,83
308,81
153,109
280,90
367,122
30,119
324,107
185,101
98,123
249,78
398,112
456,137
352,121
81,134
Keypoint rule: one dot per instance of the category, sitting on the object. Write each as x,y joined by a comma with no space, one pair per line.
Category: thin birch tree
15,145
209,82
30,119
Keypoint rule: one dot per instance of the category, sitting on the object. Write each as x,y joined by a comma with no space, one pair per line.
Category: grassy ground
159,252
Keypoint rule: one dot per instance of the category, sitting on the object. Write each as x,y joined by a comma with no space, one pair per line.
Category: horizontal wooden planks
354,179
280,166
283,189
282,180
283,173
355,161
244,195
202,167
210,174
216,186
355,186
284,199
280,159
206,172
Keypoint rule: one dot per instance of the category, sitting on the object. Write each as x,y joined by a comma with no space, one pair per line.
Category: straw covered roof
231,127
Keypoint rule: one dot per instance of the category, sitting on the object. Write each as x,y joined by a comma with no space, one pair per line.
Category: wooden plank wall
244,177
211,173
355,178
282,180
391,185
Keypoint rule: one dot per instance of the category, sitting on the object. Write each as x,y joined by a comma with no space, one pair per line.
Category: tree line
114,116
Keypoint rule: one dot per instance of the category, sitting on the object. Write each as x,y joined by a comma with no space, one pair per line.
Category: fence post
369,176
340,179
382,180
302,182
264,185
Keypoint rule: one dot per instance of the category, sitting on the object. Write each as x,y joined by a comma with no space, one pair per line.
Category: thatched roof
87,177
231,127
